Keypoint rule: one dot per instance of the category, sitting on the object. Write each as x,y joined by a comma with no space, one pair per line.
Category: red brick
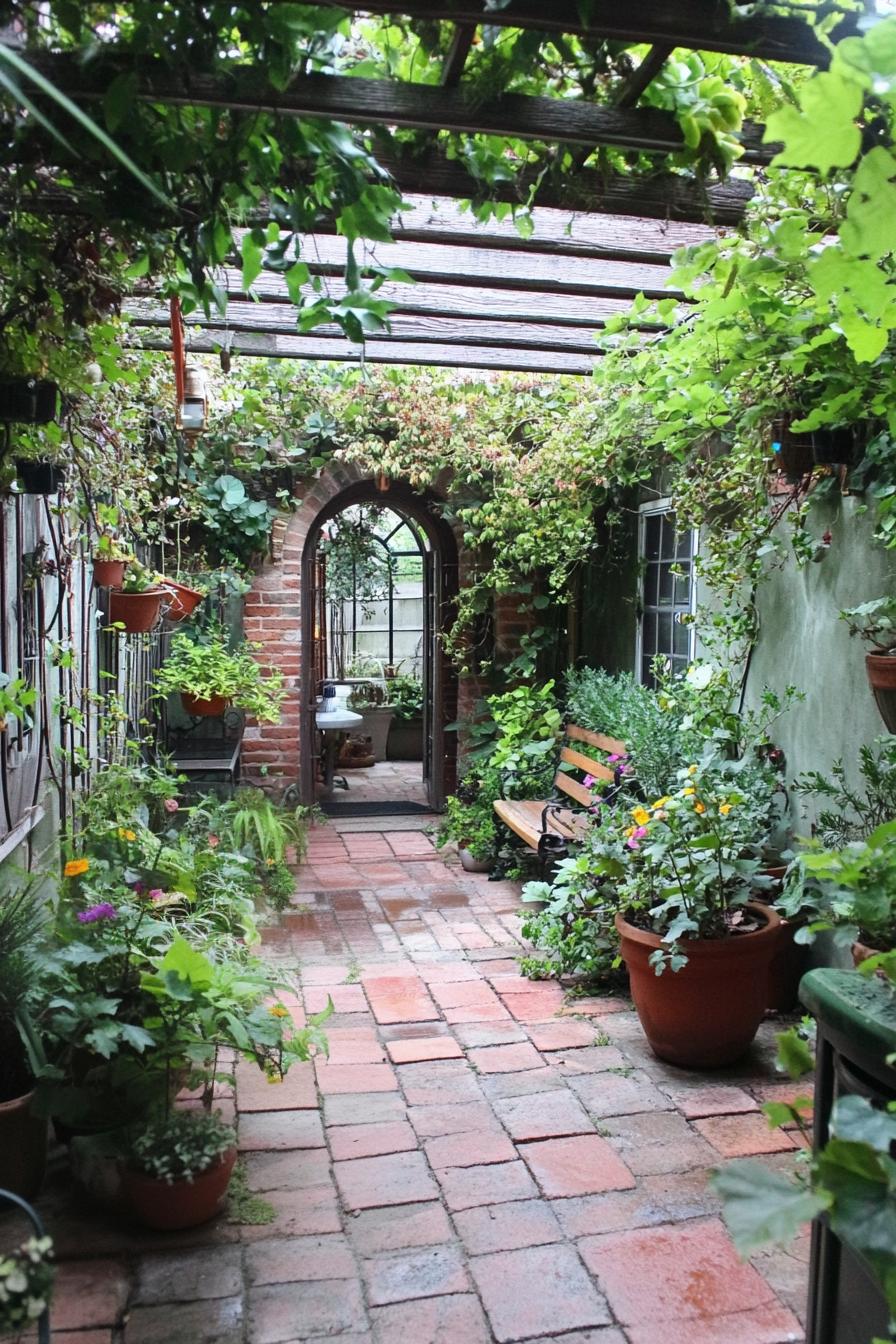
218,1322
296,1092
428,1272
365,1108
469,1149
325,1307
744,1135
334,1078
370,1182
561,1035
309,1211
288,1169
657,1142
761,1325
348,1046
489,1033
456,1319
299,1259
671,1197
478,1012
467,1187
416,1050
533,1007
374,1231
606,1094
280,1129
540,1290
508,1227
582,1165
451,1118
543,1115
430,1083
447,972
89,1293
350,1141
505,1058
691,1272
462,994
702,1101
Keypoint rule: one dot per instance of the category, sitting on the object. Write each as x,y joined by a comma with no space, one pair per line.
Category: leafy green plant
26,1283
875,622
619,706
851,890
852,814
405,695
206,666
138,579
17,700
180,1146
574,933
239,525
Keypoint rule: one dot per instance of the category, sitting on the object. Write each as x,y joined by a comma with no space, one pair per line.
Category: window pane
647,677
668,545
651,578
683,590
652,529
685,547
648,636
667,585
681,639
664,633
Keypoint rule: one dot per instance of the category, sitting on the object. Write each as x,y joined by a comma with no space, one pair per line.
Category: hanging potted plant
137,604
110,557
182,599
211,676
175,1171
697,946
875,622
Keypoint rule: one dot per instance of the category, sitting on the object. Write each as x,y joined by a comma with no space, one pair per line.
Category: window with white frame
667,591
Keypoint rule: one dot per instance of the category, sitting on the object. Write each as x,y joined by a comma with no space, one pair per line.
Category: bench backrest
588,765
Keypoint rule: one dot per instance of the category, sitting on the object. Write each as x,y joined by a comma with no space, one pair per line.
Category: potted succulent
210,676
405,741
176,1170
137,604
697,945
23,1135
875,622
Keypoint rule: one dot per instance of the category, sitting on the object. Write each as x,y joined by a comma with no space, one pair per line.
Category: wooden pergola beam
702,25
647,71
461,42
380,351
380,102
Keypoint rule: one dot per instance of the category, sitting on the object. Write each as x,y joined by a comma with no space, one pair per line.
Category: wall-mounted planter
211,707
108,573
39,478
182,600
137,612
881,669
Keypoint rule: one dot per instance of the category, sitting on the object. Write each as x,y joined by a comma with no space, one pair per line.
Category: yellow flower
278,1010
660,802
689,791
124,833
269,862
75,867
274,1077
692,769
641,815
700,807
630,830
724,808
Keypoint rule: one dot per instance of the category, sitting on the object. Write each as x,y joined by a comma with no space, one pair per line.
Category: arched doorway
439,566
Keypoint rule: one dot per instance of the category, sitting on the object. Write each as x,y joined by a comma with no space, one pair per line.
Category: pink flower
589,781
636,837
614,757
171,805
157,894
632,843
213,842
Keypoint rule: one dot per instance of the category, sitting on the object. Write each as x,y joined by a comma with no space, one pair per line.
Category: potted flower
210,676
875,622
698,947
26,1285
175,1171
137,604
405,741
23,1135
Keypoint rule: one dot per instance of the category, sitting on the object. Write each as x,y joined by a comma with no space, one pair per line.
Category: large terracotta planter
109,573
213,707
137,612
182,601
182,1203
881,669
23,1147
705,1015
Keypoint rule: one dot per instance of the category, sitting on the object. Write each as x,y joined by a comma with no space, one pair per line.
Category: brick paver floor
481,1158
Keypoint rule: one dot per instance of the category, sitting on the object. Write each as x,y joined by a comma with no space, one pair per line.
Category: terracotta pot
108,573
471,865
881,669
790,961
23,1147
182,601
213,707
182,1203
861,952
705,1015
137,612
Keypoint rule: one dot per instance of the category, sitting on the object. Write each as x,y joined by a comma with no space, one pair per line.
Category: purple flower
589,781
102,911
139,888
614,757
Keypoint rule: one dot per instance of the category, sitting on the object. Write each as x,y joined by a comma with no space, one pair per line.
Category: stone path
389,781
478,1160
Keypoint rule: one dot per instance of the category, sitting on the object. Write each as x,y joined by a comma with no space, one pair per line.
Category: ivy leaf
868,228
854,1118
760,1205
252,252
136,1036
822,133
794,1055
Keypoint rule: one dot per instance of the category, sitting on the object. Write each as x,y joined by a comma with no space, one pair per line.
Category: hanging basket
881,669
137,612
108,573
182,600
198,708
40,478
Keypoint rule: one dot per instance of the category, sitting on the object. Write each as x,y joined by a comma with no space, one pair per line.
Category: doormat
338,808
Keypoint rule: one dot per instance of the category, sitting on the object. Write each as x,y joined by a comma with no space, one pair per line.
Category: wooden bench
565,815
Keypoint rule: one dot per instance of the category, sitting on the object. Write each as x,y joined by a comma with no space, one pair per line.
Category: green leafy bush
204,665
619,706
405,695
181,1146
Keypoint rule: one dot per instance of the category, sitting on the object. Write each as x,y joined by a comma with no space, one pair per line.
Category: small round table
334,724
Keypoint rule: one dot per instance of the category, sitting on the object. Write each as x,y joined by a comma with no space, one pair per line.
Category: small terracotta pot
23,1147
471,865
881,669
705,1015
182,1203
137,612
108,573
861,952
182,601
213,707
